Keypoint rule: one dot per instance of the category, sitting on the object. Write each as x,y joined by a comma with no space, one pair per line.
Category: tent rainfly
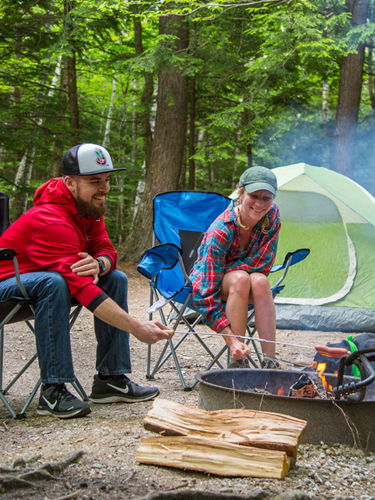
334,288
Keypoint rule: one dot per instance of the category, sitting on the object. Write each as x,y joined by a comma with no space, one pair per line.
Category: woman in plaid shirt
234,260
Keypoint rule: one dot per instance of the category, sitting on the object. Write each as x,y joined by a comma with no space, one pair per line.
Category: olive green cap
258,178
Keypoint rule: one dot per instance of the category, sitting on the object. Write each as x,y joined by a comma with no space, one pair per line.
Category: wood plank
244,427
212,456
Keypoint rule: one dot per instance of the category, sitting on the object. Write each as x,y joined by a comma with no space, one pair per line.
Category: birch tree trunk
134,129
120,179
109,116
58,144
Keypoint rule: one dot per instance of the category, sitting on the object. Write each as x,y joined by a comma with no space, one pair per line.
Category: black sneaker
120,389
239,363
59,402
270,363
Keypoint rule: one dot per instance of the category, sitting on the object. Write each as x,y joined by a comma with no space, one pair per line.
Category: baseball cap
258,178
87,159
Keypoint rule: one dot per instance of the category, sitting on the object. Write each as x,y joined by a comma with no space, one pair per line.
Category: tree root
24,478
189,494
70,496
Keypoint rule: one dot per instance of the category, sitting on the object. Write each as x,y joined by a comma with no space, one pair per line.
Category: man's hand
150,332
86,266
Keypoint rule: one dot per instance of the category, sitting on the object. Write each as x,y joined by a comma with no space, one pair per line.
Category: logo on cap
100,158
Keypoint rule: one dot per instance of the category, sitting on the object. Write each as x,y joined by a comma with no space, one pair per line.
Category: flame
320,369
281,392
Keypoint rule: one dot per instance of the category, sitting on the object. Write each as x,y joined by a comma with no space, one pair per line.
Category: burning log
242,427
303,388
212,456
311,387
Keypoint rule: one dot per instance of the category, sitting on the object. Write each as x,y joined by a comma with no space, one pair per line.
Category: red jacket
49,236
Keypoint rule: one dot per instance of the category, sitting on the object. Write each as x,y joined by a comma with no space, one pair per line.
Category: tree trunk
72,77
29,170
192,149
350,86
325,91
109,115
371,91
58,146
168,142
120,179
134,127
18,179
146,99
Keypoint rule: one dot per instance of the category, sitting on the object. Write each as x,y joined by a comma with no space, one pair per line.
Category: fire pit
327,421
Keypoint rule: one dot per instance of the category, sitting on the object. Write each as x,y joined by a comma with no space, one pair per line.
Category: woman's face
255,205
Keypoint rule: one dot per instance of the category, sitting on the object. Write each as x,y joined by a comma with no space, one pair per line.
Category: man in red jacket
63,252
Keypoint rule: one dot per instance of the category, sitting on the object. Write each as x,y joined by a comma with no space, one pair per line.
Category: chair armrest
159,258
10,254
7,254
291,258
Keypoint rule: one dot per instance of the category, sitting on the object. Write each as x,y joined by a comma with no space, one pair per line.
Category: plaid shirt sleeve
208,273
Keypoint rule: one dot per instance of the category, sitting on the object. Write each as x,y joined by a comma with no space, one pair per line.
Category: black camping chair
19,309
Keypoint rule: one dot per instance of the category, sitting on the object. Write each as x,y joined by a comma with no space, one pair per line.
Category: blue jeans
53,302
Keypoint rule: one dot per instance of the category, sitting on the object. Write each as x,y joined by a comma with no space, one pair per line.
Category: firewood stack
225,442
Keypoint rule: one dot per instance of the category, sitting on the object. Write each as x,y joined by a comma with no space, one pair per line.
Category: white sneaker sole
122,399
78,413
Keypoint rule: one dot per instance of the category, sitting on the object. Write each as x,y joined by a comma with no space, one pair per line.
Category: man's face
90,193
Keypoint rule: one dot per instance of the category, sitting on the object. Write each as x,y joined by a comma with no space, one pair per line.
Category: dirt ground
109,436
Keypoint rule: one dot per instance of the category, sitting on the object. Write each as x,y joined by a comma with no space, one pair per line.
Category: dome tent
333,216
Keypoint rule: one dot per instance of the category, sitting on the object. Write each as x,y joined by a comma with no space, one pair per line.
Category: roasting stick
171,333
331,352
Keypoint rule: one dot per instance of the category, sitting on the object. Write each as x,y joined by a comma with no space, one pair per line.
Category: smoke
300,136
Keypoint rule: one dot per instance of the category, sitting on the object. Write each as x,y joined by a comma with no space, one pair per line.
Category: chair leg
14,380
29,399
81,391
9,408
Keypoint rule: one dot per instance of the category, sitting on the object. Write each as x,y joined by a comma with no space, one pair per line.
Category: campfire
309,385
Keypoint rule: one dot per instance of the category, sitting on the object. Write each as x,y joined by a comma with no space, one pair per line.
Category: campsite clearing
110,436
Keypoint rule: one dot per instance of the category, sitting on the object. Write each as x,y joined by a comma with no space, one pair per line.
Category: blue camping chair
180,221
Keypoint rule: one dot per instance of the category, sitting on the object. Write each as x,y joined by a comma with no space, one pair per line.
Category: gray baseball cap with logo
258,178
87,159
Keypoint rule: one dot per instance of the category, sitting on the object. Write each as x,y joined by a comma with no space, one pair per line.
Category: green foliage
258,70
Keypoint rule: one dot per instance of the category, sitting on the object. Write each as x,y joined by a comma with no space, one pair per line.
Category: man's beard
88,209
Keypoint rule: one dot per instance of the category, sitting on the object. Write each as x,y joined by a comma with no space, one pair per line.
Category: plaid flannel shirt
220,253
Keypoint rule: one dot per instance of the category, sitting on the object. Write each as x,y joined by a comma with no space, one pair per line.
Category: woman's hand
239,350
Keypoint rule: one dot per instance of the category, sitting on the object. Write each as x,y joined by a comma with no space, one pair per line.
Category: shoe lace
61,392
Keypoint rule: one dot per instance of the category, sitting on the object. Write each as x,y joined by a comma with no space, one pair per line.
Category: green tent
333,216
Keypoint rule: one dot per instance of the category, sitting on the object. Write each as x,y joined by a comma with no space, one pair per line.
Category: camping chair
18,309
180,220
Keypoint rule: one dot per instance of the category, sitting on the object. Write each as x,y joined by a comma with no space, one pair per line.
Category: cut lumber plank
212,456
245,427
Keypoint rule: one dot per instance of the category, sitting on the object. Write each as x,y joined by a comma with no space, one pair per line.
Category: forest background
185,94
